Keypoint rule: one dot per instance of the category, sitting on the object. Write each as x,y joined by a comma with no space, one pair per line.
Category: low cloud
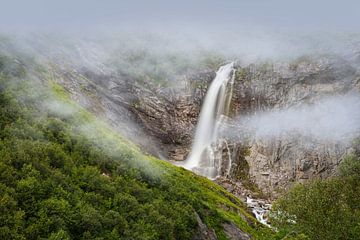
335,118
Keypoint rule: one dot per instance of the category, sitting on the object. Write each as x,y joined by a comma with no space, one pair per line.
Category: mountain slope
65,175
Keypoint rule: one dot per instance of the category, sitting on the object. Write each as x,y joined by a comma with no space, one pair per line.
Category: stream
260,209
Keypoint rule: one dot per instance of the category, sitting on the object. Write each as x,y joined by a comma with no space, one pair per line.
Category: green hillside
65,175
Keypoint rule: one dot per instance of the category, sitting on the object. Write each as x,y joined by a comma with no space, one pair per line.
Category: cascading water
260,209
201,159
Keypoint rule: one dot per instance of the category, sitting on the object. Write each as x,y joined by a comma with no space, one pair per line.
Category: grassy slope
66,175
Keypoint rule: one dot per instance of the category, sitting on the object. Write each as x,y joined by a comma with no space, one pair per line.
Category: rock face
170,114
275,163
111,98
162,119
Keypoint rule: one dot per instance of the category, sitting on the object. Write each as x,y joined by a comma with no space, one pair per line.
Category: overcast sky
87,15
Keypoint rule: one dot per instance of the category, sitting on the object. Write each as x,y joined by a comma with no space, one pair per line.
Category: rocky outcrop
112,98
275,164
170,114
172,122
203,232
160,118
232,232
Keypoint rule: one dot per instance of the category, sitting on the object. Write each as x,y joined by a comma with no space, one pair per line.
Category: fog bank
335,119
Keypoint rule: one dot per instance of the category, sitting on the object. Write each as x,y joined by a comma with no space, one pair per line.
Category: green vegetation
323,209
64,175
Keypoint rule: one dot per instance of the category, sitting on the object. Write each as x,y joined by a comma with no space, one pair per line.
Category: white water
228,170
260,209
201,159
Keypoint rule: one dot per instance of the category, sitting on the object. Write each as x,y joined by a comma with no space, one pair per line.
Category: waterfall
260,209
216,103
228,169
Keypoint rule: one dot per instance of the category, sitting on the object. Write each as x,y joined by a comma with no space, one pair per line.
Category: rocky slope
272,164
163,117
275,163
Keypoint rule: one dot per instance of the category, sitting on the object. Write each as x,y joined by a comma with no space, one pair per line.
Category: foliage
64,175
324,209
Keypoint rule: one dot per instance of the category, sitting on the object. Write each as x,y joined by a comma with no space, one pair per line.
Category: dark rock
203,233
304,165
232,232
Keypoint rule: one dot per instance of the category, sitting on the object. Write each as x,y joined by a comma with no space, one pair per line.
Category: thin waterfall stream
201,159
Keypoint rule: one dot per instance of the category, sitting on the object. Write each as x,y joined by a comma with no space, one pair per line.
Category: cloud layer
335,119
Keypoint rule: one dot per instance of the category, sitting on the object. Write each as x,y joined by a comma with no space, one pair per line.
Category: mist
330,119
81,15
95,33
170,40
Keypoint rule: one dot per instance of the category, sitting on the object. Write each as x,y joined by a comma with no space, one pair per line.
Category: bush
323,209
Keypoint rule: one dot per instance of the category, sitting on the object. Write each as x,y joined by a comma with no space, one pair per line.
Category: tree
323,209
